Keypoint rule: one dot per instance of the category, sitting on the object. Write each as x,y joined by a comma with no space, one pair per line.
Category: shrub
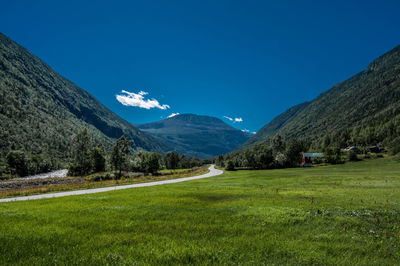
146,162
153,163
280,160
294,148
352,156
82,163
17,163
40,163
74,170
220,161
172,160
230,166
119,155
317,160
394,147
333,155
98,157
102,177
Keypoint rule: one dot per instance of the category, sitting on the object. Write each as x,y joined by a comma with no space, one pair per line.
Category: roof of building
313,154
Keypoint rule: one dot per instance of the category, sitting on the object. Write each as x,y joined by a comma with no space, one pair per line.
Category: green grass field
341,214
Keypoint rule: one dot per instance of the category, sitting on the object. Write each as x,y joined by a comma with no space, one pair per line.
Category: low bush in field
230,166
102,177
112,176
352,156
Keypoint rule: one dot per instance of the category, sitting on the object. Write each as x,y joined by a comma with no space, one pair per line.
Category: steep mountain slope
368,101
40,110
278,122
195,135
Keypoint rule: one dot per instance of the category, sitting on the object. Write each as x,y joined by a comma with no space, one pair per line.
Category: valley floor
212,172
24,187
339,214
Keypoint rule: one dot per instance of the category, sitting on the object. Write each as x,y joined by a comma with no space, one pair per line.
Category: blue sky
240,59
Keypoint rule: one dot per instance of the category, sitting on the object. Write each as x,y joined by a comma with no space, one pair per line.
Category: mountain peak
197,118
196,135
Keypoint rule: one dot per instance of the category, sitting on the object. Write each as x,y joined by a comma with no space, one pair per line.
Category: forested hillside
363,110
278,122
40,110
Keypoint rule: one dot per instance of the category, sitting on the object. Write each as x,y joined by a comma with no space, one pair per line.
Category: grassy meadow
338,214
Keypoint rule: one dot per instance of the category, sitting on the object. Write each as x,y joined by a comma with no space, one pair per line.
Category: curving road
213,172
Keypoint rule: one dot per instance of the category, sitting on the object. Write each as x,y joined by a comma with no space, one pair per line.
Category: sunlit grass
343,214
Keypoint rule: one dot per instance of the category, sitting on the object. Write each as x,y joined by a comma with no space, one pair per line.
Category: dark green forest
40,110
87,157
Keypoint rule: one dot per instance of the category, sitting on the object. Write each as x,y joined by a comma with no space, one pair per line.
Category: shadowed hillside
364,109
40,110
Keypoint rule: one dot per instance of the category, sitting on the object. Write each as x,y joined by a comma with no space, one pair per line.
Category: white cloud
235,120
138,100
248,131
172,115
229,118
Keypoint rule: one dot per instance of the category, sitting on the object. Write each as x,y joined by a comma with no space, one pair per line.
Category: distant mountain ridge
196,135
366,104
40,110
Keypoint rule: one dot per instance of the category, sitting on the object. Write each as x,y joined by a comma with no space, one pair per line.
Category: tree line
23,164
383,131
277,153
88,158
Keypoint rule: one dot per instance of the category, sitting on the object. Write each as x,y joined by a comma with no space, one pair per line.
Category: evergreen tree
394,146
17,163
263,157
153,162
332,155
294,148
276,143
326,141
249,158
172,160
98,157
195,162
230,166
120,152
81,144
184,162
352,156
220,160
